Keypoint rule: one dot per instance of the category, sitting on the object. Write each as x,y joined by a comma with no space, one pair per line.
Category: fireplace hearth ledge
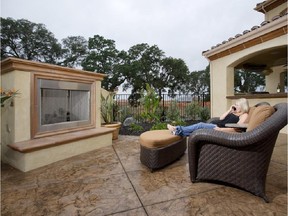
48,142
32,154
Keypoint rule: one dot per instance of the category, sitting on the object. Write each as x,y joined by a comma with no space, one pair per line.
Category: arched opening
261,72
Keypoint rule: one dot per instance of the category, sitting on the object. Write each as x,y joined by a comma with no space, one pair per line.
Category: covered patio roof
267,30
268,58
268,5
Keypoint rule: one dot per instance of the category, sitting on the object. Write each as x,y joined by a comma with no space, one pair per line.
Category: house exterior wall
222,74
17,117
273,79
274,12
248,46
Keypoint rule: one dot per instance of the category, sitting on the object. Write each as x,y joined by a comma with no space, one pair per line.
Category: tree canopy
200,81
247,81
27,40
133,69
74,50
103,57
148,64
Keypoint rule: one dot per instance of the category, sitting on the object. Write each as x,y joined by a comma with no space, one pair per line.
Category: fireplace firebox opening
62,105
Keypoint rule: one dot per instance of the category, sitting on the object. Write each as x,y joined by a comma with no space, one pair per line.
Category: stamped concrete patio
112,181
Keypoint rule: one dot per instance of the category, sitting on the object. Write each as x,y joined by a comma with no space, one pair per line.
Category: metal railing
128,105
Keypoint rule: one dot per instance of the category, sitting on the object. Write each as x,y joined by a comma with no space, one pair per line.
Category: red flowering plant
7,95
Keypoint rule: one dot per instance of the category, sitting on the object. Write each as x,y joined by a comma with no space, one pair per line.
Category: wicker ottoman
159,148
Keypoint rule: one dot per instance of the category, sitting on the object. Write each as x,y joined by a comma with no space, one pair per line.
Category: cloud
182,29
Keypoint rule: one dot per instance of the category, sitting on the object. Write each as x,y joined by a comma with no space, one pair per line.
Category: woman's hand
233,109
230,110
225,129
217,128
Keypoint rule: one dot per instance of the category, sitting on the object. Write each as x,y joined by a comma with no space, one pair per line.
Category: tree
174,75
27,40
200,81
103,57
143,63
140,65
74,51
148,64
247,81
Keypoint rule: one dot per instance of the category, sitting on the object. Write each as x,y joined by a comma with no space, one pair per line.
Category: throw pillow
250,113
259,115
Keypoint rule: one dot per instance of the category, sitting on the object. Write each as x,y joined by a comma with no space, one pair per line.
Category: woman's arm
226,113
242,118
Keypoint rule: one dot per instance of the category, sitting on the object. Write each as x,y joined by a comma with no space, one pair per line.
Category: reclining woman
238,113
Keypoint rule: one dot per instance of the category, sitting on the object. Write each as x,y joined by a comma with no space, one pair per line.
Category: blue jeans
187,130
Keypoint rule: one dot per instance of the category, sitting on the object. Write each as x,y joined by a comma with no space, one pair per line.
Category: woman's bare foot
171,128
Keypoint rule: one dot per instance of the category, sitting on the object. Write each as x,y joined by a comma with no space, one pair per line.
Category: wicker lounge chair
236,159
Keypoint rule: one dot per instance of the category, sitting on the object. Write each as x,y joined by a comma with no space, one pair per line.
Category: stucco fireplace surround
55,116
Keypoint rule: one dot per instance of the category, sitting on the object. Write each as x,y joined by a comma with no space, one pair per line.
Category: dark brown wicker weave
156,158
236,159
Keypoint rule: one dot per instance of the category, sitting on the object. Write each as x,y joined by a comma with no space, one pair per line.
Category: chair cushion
259,115
250,112
158,138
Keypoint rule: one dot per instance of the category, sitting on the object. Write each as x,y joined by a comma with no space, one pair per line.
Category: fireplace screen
62,104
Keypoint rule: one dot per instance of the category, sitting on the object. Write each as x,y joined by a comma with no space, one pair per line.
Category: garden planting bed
145,126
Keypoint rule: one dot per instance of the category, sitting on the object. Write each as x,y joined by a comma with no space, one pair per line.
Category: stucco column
222,84
230,81
273,79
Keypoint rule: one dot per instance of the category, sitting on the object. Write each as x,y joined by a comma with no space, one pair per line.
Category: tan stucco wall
32,160
16,118
273,79
274,12
222,74
98,104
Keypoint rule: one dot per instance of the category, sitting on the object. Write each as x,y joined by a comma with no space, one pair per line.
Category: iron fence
129,105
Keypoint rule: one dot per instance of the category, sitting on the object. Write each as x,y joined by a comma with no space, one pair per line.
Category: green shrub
150,102
135,127
159,126
163,125
205,113
173,113
125,112
193,110
178,123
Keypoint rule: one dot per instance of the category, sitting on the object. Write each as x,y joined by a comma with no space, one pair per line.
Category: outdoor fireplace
62,104
55,116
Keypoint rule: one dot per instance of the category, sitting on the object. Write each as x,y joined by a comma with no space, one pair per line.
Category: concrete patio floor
112,181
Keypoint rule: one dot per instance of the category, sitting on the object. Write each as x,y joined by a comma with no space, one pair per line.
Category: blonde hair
244,104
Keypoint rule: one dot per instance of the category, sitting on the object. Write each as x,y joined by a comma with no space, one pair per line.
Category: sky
181,28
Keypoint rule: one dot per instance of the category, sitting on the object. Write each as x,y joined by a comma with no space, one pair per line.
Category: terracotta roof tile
264,23
238,35
276,17
254,28
246,31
